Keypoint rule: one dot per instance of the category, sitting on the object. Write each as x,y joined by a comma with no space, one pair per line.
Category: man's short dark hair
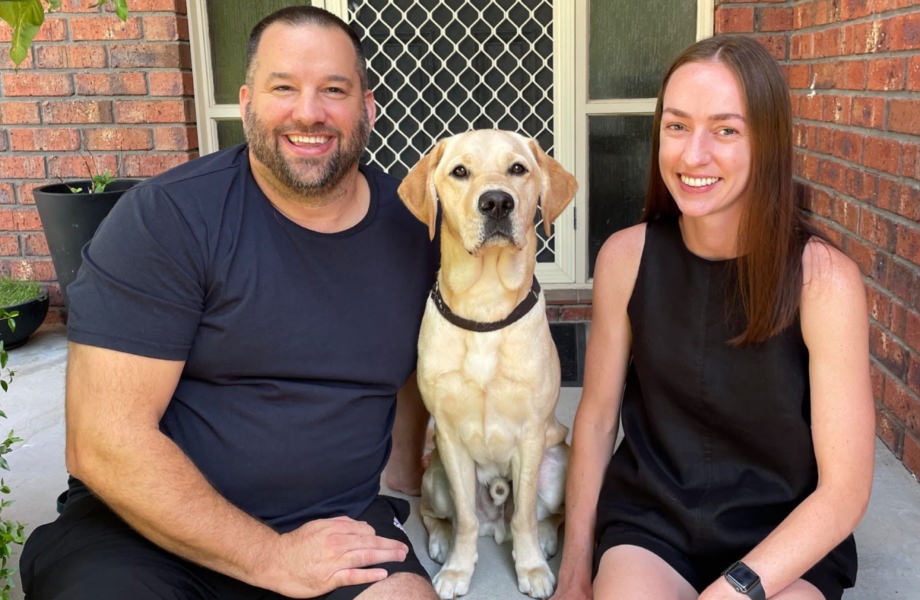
305,15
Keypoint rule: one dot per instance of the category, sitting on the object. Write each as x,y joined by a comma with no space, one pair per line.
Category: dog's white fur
492,394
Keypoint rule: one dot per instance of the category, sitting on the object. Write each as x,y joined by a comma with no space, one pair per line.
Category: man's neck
337,209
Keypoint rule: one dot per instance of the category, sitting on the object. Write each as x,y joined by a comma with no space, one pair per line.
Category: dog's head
489,183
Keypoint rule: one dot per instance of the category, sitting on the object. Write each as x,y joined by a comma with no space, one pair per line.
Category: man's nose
309,109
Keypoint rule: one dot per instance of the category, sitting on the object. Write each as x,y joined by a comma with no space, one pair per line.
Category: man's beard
306,176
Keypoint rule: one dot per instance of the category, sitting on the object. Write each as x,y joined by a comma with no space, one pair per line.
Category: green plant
26,18
98,183
14,291
10,532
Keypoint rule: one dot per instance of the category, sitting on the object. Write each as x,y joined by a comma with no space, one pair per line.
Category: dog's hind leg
437,509
551,497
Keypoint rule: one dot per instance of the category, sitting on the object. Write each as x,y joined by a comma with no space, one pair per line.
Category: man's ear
370,108
559,186
418,191
244,100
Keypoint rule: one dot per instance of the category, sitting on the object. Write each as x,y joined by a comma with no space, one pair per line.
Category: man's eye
460,172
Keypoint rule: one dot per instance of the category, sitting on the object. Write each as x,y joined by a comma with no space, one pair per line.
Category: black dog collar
519,311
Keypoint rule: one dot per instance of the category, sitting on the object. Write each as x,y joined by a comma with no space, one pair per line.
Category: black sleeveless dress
718,447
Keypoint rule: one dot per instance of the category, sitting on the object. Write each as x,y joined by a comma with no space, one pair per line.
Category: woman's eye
459,172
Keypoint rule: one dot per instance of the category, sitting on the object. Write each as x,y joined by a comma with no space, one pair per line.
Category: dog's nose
496,204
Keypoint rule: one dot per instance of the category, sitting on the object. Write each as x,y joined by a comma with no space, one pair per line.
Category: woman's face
705,151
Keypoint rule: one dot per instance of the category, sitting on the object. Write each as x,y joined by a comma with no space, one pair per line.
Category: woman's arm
835,329
596,421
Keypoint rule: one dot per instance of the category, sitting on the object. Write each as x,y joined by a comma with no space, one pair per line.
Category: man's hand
326,554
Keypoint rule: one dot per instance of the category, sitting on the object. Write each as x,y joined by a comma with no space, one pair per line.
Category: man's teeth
698,181
307,139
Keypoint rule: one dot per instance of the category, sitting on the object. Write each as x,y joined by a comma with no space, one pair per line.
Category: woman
741,337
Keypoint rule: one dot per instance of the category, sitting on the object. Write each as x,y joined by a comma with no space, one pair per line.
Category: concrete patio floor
888,537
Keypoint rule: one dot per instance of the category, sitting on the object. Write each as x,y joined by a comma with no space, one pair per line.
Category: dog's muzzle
496,206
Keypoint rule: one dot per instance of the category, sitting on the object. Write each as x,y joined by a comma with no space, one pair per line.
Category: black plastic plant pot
31,315
70,220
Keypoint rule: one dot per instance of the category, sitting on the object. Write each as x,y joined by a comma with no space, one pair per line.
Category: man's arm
114,404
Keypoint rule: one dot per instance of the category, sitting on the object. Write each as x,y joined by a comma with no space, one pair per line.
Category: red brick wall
92,89
854,70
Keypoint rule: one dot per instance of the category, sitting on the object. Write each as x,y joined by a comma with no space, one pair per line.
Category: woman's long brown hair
773,229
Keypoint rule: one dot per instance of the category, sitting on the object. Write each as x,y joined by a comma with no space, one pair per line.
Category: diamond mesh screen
440,68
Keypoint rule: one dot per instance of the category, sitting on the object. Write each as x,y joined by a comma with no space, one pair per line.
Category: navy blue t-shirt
295,342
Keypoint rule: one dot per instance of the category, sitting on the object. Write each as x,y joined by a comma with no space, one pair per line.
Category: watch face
741,576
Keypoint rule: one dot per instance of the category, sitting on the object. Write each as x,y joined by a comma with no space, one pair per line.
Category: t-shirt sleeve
140,286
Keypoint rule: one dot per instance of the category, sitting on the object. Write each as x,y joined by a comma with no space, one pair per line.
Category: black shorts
831,575
90,553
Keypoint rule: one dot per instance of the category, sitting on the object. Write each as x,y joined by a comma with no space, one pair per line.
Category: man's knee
400,586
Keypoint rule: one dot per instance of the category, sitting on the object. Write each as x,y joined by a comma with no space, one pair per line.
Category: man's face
305,116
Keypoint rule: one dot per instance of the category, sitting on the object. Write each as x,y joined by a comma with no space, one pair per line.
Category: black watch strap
756,592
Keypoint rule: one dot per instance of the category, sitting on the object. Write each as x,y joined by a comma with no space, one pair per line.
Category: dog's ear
418,192
559,186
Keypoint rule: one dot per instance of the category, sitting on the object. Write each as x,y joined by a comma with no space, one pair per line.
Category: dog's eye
517,169
459,172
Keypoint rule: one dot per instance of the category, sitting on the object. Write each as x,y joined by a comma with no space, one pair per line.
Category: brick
871,263
99,27
848,145
71,166
823,139
37,84
877,378
904,116
832,174
9,244
22,167
878,229
911,455
913,73
36,269
845,214
854,9
889,432
898,326
26,219
576,313
177,6
823,13
854,74
104,84
902,279
908,242
861,185
35,244
154,111
803,15
879,305
882,154
903,405
118,138
171,83
798,76
867,112
734,20
7,195
887,74
913,373
810,106
802,46
53,29
820,203
854,38
773,19
828,43
888,351
70,57
163,55
147,165
837,109
910,160
876,38
45,139
79,111
826,75
175,138
909,201
165,28
912,330
905,31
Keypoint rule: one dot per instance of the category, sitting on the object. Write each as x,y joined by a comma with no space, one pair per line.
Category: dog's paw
439,539
451,583
537,582
548,535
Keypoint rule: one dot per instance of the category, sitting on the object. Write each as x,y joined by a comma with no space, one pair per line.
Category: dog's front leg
534,575
454,577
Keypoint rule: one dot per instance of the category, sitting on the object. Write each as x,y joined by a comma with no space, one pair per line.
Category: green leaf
25,17
121,9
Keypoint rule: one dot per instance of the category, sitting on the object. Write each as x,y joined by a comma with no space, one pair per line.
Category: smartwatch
745,581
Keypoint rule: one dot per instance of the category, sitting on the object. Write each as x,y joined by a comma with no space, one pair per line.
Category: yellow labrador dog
488,369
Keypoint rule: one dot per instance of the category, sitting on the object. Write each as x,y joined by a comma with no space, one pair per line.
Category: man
238,334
